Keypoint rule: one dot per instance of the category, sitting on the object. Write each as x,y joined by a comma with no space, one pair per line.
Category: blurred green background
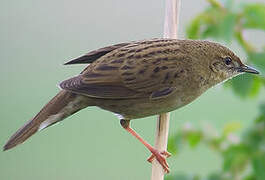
37,37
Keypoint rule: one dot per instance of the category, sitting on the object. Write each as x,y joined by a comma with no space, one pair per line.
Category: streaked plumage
138,79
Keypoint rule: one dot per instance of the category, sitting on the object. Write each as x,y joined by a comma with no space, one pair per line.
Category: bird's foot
161,158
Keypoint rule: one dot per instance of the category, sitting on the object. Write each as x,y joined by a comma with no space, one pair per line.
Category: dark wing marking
162,93
94,55
108,91
147,67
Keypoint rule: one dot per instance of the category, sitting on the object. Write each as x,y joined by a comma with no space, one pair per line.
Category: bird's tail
61,106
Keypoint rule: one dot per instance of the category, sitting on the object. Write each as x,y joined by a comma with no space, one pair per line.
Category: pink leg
155,153
165,153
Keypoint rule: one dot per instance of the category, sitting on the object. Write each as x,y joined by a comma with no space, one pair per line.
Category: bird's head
225,64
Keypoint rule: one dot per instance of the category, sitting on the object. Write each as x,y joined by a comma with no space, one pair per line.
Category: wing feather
135,70
94,55
96,90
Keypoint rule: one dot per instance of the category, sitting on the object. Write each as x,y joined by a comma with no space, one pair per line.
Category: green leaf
174,143
258,59
205,24
193,29
259,166
226,27
260,118
215,176
262,108
243,84
202,21
211,24
254,137
210,31
250,177
257,83
194,138
236,158
231,127
253,16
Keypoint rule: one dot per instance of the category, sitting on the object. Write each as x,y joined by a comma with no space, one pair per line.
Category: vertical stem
171,19
170,31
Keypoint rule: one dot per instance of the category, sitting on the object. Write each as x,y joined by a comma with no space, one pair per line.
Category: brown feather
97,90
135,70
61,106
94,55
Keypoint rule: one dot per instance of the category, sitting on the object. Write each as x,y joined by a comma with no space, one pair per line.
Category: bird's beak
247,69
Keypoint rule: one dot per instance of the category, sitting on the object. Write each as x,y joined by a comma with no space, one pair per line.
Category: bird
138,79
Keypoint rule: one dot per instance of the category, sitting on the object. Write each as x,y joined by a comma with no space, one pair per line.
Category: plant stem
170,31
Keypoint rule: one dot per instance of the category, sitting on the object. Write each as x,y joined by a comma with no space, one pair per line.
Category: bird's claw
165,153
161,158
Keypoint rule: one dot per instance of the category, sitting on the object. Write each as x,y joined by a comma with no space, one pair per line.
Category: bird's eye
228,60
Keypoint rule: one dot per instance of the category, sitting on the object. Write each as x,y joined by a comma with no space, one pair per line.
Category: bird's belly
139,108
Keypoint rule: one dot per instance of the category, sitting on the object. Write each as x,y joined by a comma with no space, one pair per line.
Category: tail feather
61,106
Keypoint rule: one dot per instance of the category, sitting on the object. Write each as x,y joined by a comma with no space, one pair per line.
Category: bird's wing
143,70
94,55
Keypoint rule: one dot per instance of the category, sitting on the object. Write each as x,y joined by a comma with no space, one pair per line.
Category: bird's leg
155,153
